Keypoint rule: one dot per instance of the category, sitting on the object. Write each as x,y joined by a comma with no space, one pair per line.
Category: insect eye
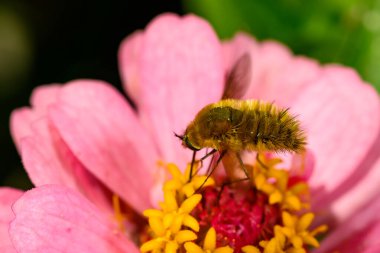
188,144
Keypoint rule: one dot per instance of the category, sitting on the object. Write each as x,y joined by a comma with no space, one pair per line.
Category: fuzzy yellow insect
237,125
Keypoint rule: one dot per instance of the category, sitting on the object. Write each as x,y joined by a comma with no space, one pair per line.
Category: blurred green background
56,41
342,31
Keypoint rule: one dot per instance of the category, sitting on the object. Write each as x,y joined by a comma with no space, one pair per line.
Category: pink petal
302,165
43,96
365,189
128,56
7,197
20,122
45,156
360,233
48,160
372,249
341,117
104,134
8,249
181,70
277,76
242,43
267,63
290,79
56,219
21,119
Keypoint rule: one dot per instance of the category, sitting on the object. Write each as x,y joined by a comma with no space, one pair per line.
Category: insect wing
239,78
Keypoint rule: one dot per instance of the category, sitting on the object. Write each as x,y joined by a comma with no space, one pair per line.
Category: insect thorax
217,126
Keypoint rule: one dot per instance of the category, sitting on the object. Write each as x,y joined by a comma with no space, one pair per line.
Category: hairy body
237,125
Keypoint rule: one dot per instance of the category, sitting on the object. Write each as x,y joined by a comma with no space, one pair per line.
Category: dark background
60,41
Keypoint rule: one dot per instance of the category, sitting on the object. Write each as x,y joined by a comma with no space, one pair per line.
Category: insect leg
207,155
242,164
192,165
230,183
213,169
203,158
210,164
260,162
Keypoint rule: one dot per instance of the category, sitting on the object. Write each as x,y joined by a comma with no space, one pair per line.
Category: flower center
240,215
267,213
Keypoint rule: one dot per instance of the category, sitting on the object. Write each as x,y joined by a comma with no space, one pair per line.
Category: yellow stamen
274,183
119,216
190,203
209,245
180,182
193,248
305,221
170,203
171,247
276,244
319,230
296,230
152,213
157,226
191,222
225,249
174,229
210,240
185,236
168,223
152,245
250,249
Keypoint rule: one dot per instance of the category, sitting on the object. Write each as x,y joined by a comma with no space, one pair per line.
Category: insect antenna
178,136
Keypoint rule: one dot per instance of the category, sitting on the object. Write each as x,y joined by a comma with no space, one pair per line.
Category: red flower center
239,215
266,213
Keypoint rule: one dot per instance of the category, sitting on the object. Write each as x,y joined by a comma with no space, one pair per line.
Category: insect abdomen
266,127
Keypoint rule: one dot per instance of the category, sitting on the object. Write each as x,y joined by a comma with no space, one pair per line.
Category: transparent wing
238,79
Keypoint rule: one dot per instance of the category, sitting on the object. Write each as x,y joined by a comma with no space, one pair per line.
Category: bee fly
231,126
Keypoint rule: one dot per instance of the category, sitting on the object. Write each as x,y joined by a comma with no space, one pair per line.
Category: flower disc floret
167,224
265,214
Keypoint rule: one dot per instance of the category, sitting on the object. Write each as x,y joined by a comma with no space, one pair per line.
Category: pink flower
82,142
7,198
